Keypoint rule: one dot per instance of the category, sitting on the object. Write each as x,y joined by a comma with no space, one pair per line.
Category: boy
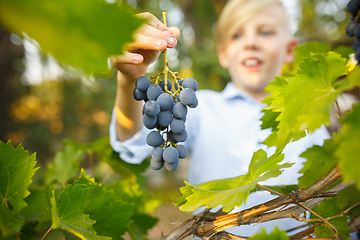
253,43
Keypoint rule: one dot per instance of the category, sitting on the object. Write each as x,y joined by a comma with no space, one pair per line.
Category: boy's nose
250,41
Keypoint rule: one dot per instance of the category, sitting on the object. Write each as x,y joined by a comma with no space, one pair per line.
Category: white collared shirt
223,133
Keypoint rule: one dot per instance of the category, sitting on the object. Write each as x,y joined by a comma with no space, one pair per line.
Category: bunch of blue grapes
165,108
353,28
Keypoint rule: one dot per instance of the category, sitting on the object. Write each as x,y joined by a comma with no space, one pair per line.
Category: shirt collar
232,92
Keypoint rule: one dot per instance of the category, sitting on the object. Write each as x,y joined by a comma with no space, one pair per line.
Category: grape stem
166,69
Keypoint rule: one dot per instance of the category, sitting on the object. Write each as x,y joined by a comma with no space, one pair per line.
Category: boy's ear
222,56
292,44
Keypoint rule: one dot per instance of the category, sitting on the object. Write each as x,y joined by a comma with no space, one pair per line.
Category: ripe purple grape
170,155
156,154
154,139
172,166
179,110
180,137
151,108
139,95
142,83
149,122
171,137
165,101
177,126
353,7
169,85
156,165
188,96
190,82
183,152
153,92
164,118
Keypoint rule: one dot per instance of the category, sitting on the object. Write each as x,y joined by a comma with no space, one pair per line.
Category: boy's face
258,51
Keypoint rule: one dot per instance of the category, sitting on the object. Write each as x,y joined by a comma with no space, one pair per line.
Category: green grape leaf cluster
305,101
348,148
328,208
68,214
320,161
16,171
79,33
231,192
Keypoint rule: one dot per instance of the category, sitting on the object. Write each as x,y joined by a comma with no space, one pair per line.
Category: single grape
149,122
156,153
156,165
164,118
142,83
154,139
195,104
169,85
183,152
190,82
179,110
171,137
176,85
172,166
139,95
170,155
357,30
151,108
350,29
165,101
353,7
177,126
188,96
180,137
153,92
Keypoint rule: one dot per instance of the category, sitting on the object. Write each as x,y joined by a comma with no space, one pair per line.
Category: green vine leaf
329,208
82,33
69,215
16,170
129,192
320,161
231,192
269,118
307,49
115,216
304,111
275,234
64,167
348,150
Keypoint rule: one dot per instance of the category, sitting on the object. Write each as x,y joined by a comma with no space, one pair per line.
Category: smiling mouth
252,63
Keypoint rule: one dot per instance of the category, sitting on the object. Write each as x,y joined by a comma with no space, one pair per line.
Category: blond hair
235,14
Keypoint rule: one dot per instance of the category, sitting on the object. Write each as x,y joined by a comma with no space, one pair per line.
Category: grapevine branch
211,226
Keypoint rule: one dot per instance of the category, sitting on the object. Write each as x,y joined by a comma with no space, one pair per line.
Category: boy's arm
150,40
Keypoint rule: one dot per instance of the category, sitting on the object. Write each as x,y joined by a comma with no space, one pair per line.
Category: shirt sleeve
134,150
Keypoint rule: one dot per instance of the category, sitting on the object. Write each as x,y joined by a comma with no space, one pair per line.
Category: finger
151,31
153,21
126,58
175,32
148,43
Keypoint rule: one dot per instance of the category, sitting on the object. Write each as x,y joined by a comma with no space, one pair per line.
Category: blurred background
43,102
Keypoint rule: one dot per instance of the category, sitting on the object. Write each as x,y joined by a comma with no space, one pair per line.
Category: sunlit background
43,102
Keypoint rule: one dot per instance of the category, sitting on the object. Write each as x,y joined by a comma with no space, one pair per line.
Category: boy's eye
236,36
267,33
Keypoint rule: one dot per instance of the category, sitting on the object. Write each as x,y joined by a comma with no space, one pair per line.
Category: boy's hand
150,39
